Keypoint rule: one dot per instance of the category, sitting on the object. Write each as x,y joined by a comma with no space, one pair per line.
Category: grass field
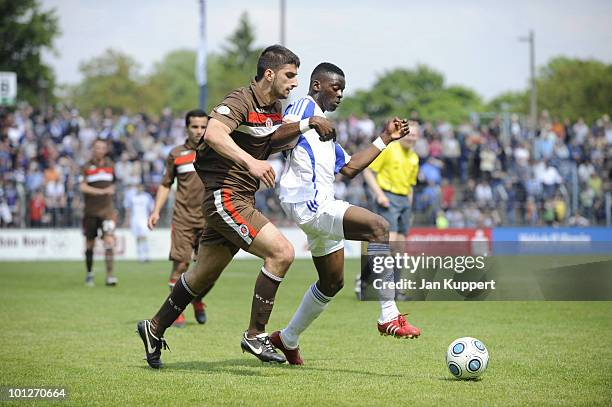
57,332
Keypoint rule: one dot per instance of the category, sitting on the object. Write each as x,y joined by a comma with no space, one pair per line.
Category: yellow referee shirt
396,169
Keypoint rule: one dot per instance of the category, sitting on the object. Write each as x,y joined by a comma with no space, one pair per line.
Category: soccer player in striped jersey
97,186
307,196
187,216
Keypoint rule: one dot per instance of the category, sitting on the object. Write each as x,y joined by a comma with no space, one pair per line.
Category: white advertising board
68,244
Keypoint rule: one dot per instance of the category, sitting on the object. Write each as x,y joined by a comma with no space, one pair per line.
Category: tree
400,91
112,80
236,65
173,79
25,31
572,88
173,82
515,102
239,52
567,88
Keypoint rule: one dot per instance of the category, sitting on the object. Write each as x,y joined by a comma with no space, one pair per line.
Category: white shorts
139,228
323,227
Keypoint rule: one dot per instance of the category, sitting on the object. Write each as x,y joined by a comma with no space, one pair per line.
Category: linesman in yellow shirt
391,177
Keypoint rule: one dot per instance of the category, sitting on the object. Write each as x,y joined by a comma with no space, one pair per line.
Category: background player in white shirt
139,206
307,196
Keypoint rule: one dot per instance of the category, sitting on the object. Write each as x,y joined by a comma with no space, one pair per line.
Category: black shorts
92,225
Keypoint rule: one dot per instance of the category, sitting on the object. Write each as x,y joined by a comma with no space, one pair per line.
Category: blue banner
563,241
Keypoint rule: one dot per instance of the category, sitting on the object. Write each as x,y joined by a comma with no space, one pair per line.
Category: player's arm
218,137
161,196
379,195
394,130
286,136
160,200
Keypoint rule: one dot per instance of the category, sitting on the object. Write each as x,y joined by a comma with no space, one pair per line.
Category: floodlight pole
533,103
283,8
201,58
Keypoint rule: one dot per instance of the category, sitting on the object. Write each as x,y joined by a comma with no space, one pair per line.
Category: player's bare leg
109,244
178,268
330,269
362,224
211,262
278,254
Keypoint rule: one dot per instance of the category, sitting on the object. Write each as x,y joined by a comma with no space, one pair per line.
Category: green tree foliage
111,80
25,31
570,88
173,82
400,91
567,88
236,65
515,102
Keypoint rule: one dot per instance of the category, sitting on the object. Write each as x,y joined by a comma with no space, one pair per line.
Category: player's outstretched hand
395,129
153,219
263,171
323,127
402,128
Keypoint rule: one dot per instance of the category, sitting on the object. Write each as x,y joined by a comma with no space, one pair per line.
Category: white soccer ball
467,358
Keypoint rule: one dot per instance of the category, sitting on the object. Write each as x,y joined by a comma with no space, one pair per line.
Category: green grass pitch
57,332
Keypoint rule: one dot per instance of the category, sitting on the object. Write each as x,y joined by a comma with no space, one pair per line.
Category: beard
192,141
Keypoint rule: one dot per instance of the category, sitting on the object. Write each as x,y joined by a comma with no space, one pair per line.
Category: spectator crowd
476,174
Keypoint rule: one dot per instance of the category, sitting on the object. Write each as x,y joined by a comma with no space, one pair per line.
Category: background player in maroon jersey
187,216
97,178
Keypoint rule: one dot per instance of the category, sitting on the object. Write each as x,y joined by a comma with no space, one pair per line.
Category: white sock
145,250
312,305
388,311
386,298
140,251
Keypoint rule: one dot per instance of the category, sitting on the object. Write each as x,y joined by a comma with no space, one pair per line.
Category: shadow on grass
452,379
252,367
238,367
346,371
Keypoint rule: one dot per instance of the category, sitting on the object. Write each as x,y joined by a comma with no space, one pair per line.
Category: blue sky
473,43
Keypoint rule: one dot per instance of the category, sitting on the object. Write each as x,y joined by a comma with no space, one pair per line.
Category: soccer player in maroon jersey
97,186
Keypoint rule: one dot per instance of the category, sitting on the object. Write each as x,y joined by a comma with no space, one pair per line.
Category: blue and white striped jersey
312,164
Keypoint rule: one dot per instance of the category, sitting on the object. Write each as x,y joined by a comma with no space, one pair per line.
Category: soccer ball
467,358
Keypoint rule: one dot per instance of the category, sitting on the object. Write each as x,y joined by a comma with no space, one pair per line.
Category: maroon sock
89,259
263,301
174,306
108,257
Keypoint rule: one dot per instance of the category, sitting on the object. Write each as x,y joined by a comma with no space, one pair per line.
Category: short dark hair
273,58
325,68
194,113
